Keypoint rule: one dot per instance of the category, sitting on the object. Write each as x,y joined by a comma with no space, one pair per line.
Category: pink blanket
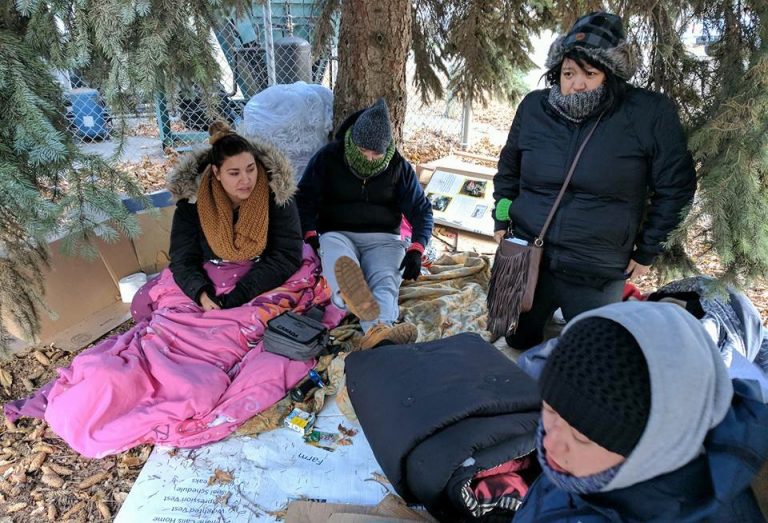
180,377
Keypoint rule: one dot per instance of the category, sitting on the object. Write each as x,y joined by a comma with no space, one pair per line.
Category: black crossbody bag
297,336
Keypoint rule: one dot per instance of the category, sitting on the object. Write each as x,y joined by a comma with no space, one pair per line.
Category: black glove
411,265
314,242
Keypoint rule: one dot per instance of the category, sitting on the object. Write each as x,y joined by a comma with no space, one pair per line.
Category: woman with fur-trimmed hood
235,204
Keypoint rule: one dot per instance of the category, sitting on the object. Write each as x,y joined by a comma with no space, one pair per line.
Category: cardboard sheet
83,293
267,473
390,509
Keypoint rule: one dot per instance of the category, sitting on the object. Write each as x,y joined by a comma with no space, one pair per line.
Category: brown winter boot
354,290
398,334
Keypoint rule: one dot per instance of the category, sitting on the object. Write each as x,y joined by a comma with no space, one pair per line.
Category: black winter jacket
332,197
638,152
190,250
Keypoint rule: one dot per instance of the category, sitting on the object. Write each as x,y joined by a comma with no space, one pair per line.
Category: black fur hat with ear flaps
601,37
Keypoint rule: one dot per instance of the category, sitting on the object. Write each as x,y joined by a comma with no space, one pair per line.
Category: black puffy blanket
437,413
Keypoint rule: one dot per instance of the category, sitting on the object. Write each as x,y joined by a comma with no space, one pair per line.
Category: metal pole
163,121
466,119
266,10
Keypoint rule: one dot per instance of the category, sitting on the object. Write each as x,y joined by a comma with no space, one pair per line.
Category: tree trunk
374,39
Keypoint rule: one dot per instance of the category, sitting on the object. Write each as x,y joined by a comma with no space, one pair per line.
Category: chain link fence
266,45
255,48
449,123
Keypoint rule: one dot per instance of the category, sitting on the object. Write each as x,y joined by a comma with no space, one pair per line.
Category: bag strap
539,242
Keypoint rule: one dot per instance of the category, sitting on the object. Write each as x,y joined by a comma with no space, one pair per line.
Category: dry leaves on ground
150,174
41,478
220,477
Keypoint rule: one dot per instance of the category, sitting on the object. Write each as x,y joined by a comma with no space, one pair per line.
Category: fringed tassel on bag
505,291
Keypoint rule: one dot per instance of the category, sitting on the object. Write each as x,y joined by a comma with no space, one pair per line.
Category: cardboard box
459,163
360,518
83,293
391,509
153,246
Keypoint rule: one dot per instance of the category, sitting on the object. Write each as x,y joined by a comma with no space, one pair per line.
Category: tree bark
374,38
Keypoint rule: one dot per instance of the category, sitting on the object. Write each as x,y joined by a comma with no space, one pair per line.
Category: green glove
501,212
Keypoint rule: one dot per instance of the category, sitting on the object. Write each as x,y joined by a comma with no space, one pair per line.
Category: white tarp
268,471
296,118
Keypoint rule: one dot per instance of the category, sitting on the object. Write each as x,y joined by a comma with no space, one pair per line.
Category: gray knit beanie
597,380
601,37
372,129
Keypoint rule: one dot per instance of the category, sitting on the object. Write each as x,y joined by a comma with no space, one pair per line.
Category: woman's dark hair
615,87
225,143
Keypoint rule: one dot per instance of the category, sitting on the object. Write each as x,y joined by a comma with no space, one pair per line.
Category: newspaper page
252,479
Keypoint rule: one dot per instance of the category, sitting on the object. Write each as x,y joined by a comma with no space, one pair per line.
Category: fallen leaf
15,507
381,478
52,512
59,469
145,452
28,384
37,433
220,477
119,497
104,510
51,479
39,371
223,499
92,480
37,461
349,433
42,358
11,427
131,461
6,380
77,507
344,442
19,474
44,447
5,466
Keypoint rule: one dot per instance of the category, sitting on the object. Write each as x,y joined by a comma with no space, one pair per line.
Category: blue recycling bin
89,116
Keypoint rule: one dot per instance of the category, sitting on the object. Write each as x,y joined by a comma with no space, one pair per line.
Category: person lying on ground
239,212
351,200
641,422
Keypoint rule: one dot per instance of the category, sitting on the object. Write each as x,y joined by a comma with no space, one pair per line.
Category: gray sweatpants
379,255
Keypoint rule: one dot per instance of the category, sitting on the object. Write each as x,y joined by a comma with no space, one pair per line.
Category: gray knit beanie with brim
601,37
372,129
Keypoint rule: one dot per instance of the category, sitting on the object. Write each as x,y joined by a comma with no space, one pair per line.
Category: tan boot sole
354,290
403,333
400,334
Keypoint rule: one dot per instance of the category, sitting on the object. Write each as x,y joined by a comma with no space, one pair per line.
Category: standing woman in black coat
630,188
235,204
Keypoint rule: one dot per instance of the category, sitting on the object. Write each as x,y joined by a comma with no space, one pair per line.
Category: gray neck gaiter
576,107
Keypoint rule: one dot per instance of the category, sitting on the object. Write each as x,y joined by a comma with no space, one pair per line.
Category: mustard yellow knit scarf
247,239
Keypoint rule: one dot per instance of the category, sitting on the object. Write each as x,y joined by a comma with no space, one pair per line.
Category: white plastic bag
296,118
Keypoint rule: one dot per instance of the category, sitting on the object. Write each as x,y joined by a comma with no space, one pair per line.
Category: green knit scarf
359,163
